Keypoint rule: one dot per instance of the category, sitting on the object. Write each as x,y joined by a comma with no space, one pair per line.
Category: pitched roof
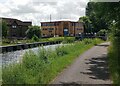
10,21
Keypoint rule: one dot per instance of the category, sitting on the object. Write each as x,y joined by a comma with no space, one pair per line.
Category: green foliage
61,51
68,39
102,32
91,41
87,23
4,29
114,64
87,41
110,12
96,17
43,66
96,41
63,39
35,38
33,30
56,39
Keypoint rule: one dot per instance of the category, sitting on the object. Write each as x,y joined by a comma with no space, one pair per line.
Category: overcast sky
39,10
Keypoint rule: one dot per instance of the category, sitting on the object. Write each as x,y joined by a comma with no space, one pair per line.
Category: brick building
16,28
61,28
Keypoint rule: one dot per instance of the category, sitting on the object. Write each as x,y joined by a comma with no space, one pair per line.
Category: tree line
106,15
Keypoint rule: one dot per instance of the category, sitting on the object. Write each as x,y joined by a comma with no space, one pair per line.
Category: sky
40,10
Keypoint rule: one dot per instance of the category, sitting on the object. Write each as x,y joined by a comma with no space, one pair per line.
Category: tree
110,12
97,20
86,23
33,31
4,29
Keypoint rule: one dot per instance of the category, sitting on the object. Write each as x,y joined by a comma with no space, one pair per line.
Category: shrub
61,51
35,38
69,39
33,30
4,29
97,41
87,41
102,32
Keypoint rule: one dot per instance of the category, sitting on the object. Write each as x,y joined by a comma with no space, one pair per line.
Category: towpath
90,68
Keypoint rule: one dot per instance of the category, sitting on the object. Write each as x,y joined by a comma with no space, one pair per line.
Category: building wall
74,28
16,28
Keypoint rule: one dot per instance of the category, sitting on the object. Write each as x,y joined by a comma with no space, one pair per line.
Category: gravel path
90,68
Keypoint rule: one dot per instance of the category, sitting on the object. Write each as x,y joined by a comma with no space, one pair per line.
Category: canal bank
26,46
16,56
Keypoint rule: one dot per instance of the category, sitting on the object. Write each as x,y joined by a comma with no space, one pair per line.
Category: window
51,29
44,29
44,24
57,24
72,24
79,29
14,26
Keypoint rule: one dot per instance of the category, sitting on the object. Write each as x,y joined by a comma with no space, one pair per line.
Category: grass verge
114,63
44,66
15,41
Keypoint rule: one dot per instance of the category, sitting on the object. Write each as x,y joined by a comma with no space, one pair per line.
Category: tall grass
114,54
114,61
35,39
43,66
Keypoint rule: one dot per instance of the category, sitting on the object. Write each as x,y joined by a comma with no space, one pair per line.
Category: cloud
37,11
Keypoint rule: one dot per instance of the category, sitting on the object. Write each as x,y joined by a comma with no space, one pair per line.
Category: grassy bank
114,62
15,41
44,66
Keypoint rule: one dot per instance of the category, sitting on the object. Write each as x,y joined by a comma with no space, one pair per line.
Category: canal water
16,56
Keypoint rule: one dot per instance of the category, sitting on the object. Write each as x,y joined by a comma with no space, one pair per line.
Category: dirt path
90,68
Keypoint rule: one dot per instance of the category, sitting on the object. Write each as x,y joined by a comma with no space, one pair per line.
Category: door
65,32
65,28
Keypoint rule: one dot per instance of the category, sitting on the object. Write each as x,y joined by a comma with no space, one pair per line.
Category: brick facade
61,28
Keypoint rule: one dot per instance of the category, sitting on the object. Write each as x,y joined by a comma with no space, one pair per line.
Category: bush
91,41
35,38
33,30
87,41
4,29
97,41
69,39
102,32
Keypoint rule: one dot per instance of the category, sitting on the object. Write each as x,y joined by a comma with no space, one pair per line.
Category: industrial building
61,28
